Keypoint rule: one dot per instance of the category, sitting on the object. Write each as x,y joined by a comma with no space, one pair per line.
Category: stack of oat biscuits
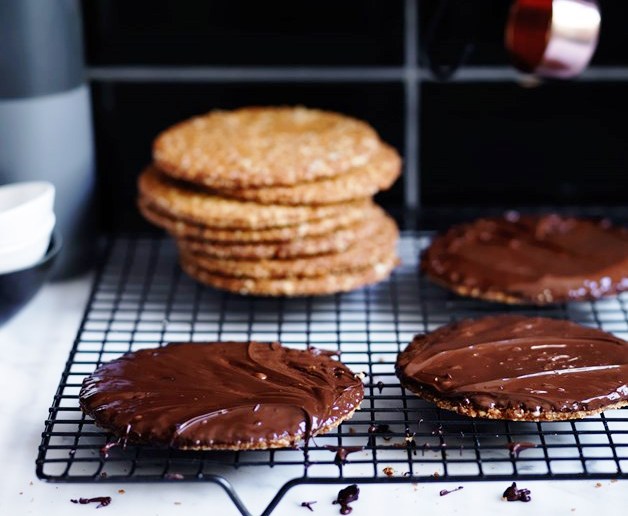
274,201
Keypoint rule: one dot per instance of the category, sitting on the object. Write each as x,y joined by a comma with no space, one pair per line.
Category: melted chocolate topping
195,395
515,362
342,452
538,259
346,496
515,448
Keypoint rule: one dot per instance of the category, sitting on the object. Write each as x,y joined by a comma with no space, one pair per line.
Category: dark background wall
482,139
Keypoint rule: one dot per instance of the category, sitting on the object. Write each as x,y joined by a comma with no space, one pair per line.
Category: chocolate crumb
444,492
103,474
515,448
346,496
352,430
342,452
308,505
436,474
121,491
102,501
598,484
382,429
512,494
380,386
388,471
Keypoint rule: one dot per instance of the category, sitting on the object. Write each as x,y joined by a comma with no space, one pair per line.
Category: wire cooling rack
141,299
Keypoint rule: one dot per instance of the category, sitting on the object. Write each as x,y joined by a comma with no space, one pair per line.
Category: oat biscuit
531,259
517,368
378,174
333,242
221,395
192,205
313,286
264,146
364,253
285,234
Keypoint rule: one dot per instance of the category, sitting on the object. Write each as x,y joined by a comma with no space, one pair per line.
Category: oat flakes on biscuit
286,234
264,146
364,253
294,287
333,242
194,205
378,174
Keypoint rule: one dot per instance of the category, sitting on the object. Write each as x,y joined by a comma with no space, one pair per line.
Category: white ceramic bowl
28,252
25,210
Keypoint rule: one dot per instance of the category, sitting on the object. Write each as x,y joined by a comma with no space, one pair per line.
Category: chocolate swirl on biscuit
227,395
516,367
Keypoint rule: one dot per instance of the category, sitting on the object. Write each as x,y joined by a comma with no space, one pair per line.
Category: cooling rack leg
229,489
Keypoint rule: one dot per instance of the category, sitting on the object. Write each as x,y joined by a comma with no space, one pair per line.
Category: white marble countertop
34,348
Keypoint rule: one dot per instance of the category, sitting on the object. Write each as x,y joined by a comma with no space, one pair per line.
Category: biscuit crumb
388,471
598,484
121,491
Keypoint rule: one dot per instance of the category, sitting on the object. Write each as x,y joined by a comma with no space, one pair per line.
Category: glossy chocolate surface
516,362
229,394
536,259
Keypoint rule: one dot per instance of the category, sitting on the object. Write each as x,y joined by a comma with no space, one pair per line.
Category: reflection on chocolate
342,452
517,447
512,494
212,395
445,492
538,259
519,364
102,501
346,496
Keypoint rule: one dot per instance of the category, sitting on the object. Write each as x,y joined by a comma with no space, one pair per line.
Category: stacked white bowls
26,223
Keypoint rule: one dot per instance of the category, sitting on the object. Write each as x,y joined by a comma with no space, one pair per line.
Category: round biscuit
294,287
378,174
264,146
183,229
333,242
364,253
190,204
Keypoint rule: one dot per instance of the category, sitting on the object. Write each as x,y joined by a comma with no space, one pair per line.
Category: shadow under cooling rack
141,299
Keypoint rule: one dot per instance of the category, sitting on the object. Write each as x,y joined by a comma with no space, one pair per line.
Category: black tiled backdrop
488,144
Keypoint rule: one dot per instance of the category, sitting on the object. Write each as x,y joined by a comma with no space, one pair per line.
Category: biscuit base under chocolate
542,299
509,414
287,442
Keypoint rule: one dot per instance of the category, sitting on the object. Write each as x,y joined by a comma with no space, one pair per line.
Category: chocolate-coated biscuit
221,396
313,286
332,242
264,146
364,253
517,368
194,205
379,173
531,259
